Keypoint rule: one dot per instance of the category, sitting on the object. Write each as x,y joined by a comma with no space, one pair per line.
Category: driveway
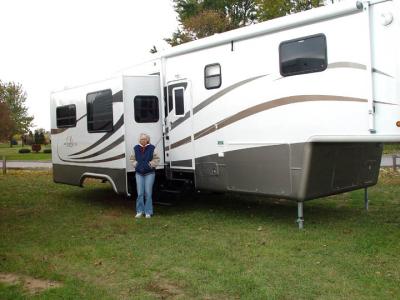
24,164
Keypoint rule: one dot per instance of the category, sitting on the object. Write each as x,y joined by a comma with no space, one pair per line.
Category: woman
145,162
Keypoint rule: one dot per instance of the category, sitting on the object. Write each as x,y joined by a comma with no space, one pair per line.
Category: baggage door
179,134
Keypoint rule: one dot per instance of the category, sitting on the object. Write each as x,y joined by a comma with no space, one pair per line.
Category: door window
179,101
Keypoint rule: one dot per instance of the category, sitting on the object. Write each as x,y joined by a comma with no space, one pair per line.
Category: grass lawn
392,148
12,153
206,247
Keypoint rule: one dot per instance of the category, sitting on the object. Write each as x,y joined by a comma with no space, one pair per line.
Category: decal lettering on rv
69,142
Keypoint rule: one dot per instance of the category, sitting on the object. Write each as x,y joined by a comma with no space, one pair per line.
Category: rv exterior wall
256,109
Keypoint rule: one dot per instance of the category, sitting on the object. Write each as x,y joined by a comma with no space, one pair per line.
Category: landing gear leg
300,216
366,200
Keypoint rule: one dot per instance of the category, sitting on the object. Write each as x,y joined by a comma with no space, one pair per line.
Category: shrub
36,147
47,151
24,150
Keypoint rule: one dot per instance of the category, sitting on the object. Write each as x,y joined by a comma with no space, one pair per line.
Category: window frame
325,52
157,106
65,126
206,77
112,112
174,99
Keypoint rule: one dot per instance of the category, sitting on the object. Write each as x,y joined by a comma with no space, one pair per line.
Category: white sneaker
148,216
138,215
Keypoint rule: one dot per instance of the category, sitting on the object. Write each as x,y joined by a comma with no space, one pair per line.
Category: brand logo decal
69,142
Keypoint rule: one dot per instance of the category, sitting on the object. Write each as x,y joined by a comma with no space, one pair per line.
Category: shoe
148,216
138,215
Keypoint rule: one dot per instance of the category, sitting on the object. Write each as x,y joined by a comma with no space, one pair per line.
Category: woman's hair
146,136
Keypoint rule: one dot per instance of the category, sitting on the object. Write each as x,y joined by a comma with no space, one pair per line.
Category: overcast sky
47,45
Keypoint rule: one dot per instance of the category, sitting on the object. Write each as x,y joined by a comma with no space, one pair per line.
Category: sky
47,45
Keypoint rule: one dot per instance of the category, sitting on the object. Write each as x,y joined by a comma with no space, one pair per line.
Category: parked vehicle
297,107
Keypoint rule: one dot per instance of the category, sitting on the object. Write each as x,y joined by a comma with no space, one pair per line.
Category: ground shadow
238,206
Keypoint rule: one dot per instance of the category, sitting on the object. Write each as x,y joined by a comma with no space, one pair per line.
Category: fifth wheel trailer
297,108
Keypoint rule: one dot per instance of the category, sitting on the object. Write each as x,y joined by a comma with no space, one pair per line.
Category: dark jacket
143,159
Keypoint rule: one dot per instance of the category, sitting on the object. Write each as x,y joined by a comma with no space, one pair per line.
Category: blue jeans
144,187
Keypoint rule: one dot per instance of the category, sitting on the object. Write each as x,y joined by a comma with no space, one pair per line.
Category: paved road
21,164
387,161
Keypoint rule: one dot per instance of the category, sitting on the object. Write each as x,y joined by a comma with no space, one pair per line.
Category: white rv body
298,136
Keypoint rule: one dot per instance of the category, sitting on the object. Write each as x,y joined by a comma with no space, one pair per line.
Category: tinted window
146,109
165,102
303,55
179,106
212,76
99,111
170,102
66,116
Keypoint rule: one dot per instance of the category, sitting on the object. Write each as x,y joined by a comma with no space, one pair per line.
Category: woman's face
143,141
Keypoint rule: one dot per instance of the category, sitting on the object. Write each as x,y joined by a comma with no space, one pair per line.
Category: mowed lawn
11,153
205,246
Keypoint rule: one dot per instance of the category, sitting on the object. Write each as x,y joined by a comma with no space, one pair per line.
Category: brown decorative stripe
345,64
280,102
206,131
182,163
117,126
382,73
104,150
213,98
263,107
221,93
117,157
57,130
80,118
388,103
180,120
181,142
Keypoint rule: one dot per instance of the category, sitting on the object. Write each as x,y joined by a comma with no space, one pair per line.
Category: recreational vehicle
297,108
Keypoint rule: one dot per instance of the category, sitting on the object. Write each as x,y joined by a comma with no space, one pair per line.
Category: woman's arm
155,161
133,160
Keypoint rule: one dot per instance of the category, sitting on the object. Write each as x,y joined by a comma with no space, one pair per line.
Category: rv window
66,116
146,109
178,97
99,111
212,76
303,55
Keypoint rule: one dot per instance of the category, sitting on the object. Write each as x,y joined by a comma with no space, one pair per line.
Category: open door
142,114
179,138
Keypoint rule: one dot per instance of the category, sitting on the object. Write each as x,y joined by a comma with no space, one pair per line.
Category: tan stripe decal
346,64
181,142
263,107
57,130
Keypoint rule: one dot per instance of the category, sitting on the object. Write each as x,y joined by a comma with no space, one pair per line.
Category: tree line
201,18
14,118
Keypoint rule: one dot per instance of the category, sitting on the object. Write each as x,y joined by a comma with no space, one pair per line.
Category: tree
6,124
270,9
201,18
14,97
39,137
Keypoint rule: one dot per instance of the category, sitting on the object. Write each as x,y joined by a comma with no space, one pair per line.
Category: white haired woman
145,161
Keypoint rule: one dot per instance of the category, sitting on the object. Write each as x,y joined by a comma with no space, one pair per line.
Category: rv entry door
178,138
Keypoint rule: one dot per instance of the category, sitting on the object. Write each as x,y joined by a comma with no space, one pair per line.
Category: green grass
206,247
392,148
12,153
